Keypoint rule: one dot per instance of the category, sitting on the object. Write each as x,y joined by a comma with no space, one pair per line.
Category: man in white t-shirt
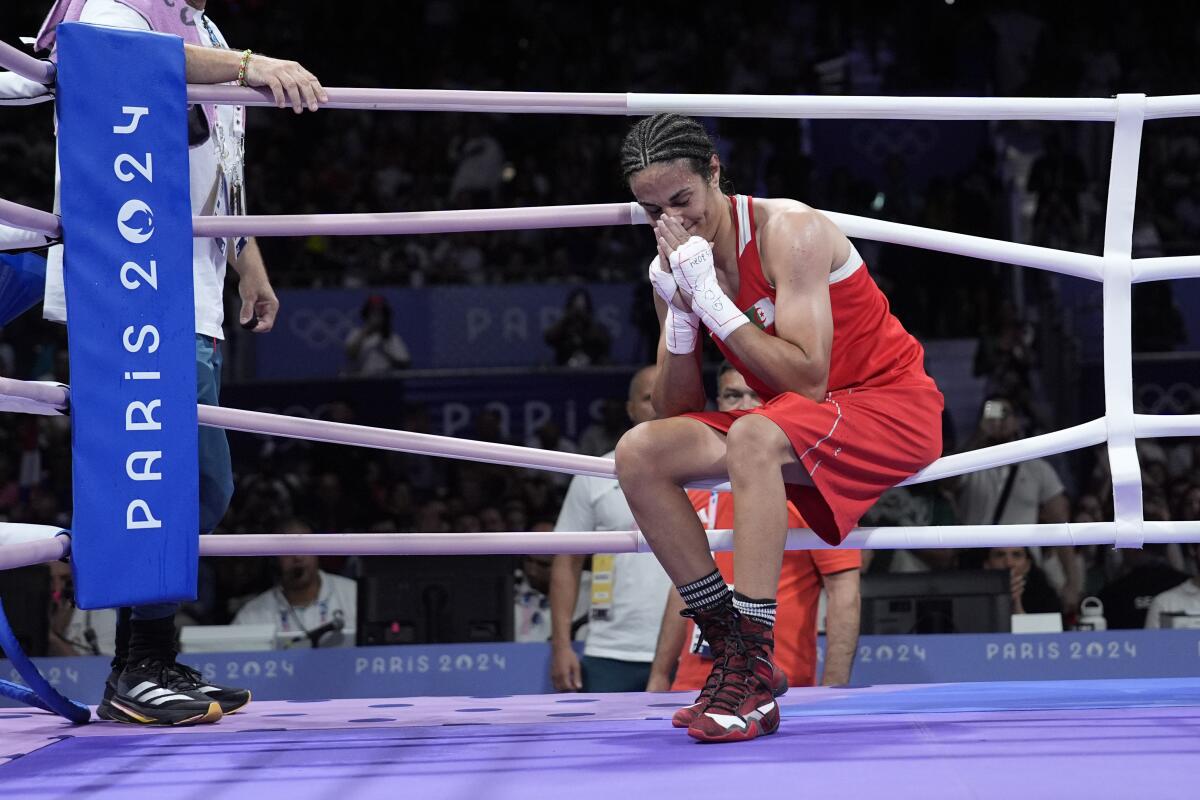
628,589
1181,601
305,600
146,685
1025,493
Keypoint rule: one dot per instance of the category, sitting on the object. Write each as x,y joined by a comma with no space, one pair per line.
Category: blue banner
444,327
1074,655
126,208
507,668
523,400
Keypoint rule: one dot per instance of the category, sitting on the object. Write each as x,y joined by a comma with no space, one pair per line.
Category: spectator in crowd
1145,574
531,602
1056,180
305,599
682,661
1024,493
479,165
601,436
931,559
374,348
73,631
1031,592
549,436
1005,356
1182,600
578,338
920,505
628,589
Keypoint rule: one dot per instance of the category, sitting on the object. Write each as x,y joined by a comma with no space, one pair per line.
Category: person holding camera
374,348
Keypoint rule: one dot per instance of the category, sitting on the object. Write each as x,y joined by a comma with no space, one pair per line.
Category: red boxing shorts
854,445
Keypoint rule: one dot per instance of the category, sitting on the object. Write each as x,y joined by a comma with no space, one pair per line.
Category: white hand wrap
681,327
681,330
695,271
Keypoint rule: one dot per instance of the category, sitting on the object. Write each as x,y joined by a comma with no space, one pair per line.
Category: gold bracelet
241,79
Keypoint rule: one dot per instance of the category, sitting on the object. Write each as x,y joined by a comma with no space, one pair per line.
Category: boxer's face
675,188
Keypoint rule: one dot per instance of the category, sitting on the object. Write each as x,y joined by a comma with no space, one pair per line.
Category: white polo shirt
639,586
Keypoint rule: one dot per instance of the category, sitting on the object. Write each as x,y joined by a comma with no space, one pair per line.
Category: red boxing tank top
870,346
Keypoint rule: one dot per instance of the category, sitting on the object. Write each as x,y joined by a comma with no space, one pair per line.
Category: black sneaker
229,698
156,691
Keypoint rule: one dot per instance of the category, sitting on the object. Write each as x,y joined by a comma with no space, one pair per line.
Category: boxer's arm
797,253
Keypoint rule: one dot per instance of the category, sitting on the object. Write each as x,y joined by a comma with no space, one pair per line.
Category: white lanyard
231,154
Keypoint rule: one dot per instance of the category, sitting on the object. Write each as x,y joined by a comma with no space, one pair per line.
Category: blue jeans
216,470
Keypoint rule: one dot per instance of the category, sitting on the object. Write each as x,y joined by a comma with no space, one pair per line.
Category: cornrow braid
666,137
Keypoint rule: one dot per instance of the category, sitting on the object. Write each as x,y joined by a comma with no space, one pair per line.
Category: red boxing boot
742,705
715,626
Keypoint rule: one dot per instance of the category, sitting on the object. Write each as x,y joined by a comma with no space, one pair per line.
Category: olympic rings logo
1178,398
321,328
878,142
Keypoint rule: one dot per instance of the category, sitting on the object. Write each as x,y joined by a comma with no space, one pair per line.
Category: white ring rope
713,105
55,398
47,398
1078,265
1119,427
25,65
51,546
320,430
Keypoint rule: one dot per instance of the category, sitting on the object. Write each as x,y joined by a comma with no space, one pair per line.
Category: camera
995,409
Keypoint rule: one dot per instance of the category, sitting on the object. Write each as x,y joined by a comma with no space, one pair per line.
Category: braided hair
667,137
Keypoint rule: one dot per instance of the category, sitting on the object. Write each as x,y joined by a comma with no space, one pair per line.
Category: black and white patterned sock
761,611
707,593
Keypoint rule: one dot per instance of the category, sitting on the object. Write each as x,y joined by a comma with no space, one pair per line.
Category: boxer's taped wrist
719,313
681,330
722,328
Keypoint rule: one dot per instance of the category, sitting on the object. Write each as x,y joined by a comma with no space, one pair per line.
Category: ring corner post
126,208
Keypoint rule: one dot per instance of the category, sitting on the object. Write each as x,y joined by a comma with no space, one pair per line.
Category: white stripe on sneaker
727,721
144,686
169,698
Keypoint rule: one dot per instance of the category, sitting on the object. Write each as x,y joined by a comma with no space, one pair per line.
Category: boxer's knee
635,458
756,444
